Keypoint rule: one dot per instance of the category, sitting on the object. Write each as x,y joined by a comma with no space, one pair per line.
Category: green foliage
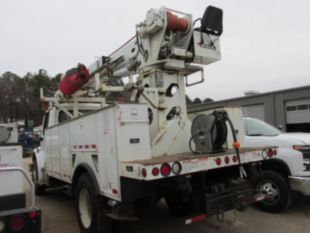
20,96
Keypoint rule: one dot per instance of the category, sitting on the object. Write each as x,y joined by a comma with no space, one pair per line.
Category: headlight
305,150
301,147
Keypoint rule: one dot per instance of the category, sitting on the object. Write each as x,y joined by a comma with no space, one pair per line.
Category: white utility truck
15,214
292,163
117,133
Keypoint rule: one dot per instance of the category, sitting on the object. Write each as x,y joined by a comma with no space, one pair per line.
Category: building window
291,108
303,107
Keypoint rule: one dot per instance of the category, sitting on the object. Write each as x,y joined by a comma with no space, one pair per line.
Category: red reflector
32,214
235,158
17,223
195,219
114,191
165,169
93,146
269,153
218,161
227,160
155,171
143,172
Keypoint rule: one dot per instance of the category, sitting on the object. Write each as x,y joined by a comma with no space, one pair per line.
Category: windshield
255,127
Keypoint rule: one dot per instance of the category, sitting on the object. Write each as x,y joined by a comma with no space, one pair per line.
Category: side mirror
212,21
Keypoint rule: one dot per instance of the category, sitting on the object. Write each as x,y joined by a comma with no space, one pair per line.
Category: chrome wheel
271,190
85,208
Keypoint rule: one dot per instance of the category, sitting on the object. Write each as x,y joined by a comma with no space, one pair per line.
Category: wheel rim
85,208
271,190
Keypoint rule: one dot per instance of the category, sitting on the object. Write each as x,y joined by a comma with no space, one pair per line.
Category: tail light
270,153
17,223
155,171
227,160
176,168
235,158
218,161
143,172
165,169
32,214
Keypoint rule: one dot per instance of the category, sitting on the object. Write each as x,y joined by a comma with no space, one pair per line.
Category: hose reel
209,132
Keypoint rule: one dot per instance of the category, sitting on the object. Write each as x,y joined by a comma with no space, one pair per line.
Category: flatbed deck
187,156
191,162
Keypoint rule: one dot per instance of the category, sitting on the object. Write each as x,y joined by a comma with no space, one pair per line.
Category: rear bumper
300,184
31,217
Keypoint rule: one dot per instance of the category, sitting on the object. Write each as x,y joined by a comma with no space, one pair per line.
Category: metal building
288,109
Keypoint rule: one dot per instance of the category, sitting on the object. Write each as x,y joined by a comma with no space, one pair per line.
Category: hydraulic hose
241,169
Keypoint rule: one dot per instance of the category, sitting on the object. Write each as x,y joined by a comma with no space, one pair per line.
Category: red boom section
74,80
175,23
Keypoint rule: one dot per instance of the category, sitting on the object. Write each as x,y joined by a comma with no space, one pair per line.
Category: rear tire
276,187
90,208
177,206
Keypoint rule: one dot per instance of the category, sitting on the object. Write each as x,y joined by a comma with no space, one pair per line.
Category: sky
265,45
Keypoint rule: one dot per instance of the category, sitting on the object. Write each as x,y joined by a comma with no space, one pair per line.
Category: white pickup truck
292,162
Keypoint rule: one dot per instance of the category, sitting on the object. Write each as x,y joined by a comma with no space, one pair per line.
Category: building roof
255,96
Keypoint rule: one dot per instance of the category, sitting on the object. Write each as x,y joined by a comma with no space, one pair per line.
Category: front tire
276,188
39,189
90,208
